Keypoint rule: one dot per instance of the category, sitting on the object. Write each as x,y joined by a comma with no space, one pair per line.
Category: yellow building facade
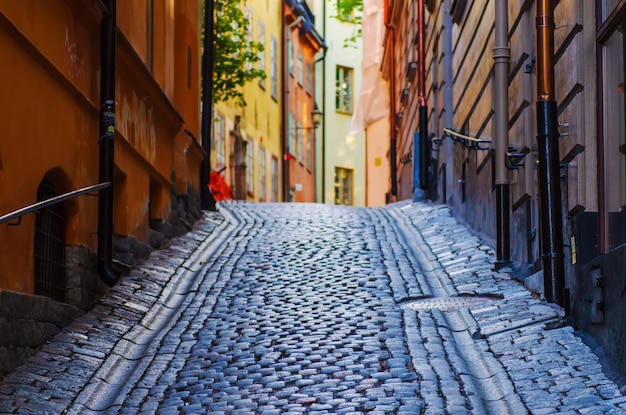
260,120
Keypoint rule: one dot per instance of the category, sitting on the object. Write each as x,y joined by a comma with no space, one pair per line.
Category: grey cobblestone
300,310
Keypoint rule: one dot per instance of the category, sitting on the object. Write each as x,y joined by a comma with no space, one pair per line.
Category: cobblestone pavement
296,308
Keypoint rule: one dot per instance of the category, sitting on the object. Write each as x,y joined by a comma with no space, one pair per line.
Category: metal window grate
50,246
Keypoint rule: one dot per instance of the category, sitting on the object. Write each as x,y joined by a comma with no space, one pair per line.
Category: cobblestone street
302,308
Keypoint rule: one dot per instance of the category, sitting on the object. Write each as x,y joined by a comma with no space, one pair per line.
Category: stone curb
524,342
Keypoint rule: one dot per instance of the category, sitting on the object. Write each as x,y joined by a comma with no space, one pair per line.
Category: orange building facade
302,44
50,78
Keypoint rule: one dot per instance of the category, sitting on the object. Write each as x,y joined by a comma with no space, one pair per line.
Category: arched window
49,246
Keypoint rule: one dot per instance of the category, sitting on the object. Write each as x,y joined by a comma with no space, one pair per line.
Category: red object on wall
219,188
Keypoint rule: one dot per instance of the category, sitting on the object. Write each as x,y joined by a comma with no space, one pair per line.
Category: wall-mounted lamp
316,116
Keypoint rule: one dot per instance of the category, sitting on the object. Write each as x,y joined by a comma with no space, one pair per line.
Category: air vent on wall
411,71
399,117
404,96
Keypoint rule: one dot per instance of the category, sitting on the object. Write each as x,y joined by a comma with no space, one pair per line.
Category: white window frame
344,89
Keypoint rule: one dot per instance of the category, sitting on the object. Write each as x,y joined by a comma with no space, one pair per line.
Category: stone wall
27,321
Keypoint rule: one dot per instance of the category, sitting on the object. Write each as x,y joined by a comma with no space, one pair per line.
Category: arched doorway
49,245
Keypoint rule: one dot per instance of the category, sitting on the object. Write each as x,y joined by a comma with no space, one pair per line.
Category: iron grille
50,246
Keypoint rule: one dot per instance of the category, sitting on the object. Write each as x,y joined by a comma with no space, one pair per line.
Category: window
300,147
290,56
274,63
219,131
343,186
613,74
308,78
249,33
250,166
343,96
300,72
309,149
291,126
262,174
261,35
274,179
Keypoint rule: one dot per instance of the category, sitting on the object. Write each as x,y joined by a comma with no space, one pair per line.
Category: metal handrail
17,214
475,142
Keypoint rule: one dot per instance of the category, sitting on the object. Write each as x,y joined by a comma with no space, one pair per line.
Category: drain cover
449,303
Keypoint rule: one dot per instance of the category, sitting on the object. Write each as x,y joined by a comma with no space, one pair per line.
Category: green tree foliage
234,54
350,11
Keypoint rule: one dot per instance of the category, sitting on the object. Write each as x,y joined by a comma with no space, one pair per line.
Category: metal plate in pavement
449,303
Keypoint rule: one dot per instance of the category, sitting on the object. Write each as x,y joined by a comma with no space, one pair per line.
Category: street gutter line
133,353
489,379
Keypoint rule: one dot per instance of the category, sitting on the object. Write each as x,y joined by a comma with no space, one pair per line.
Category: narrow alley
304,308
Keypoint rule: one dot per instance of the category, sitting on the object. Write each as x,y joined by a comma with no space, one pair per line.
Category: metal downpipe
392,103
423,110
106,141
425,156
502,58
448,103
323,108
550,209
206,197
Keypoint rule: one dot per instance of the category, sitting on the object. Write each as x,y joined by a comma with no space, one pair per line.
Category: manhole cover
449,303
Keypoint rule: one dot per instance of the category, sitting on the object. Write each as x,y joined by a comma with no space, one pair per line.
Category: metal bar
52,201
453,134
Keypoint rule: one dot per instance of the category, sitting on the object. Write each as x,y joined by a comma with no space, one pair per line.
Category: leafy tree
350,11
234,54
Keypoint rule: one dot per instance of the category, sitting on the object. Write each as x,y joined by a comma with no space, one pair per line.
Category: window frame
308,80
274,66
340,92
262,174
249,166
274,173
249,34
219,134
261,40
340,186
309,149
300,143
300,69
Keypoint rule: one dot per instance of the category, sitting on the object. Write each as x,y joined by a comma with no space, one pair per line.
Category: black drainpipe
207,201
106,144
548,162
424,161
